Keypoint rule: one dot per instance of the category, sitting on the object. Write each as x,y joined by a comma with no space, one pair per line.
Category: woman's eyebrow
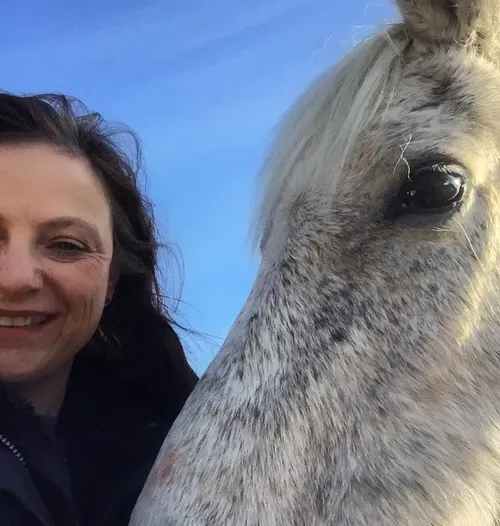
69,221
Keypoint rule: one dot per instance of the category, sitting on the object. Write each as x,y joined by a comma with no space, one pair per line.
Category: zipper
12,448
15,451
70,505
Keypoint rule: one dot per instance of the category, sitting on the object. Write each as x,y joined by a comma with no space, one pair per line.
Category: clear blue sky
203,82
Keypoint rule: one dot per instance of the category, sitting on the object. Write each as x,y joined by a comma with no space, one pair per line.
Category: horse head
360,384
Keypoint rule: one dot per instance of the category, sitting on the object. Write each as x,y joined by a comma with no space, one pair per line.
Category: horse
360,383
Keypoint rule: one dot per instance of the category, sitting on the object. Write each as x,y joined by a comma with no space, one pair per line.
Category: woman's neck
45,395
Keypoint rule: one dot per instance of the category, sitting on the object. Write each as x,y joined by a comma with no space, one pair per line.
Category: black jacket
89,468
34,483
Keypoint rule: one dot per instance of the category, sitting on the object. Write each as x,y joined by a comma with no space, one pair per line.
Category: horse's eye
436,188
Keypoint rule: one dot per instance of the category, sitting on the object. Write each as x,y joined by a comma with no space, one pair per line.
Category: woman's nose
19,269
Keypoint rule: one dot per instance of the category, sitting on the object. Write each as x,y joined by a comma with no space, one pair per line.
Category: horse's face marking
167,470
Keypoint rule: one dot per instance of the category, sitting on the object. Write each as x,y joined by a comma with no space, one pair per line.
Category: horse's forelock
317,134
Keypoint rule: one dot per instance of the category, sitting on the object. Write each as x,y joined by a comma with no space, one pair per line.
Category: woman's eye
436,188
68,247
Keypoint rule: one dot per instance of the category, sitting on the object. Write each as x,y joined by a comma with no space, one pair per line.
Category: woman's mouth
23,328
25,322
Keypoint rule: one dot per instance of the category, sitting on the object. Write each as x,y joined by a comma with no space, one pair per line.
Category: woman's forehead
45,183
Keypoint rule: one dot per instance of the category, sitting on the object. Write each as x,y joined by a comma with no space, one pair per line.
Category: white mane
316,135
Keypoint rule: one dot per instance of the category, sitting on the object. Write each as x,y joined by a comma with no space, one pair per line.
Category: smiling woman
92,373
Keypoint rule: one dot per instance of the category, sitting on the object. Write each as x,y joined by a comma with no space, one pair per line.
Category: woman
92,373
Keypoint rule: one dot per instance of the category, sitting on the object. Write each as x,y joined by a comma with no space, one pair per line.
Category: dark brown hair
136,340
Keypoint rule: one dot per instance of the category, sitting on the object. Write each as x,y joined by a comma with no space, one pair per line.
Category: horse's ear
464,22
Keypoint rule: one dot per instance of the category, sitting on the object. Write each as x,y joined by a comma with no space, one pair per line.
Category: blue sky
202,82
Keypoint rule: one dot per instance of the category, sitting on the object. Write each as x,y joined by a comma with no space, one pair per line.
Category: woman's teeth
22,321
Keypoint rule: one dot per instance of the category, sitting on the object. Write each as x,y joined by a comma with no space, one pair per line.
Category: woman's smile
17,327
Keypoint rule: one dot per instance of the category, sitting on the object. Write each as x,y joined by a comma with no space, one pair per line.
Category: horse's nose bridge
334,311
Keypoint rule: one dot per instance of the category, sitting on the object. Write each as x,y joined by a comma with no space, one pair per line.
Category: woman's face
56,246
